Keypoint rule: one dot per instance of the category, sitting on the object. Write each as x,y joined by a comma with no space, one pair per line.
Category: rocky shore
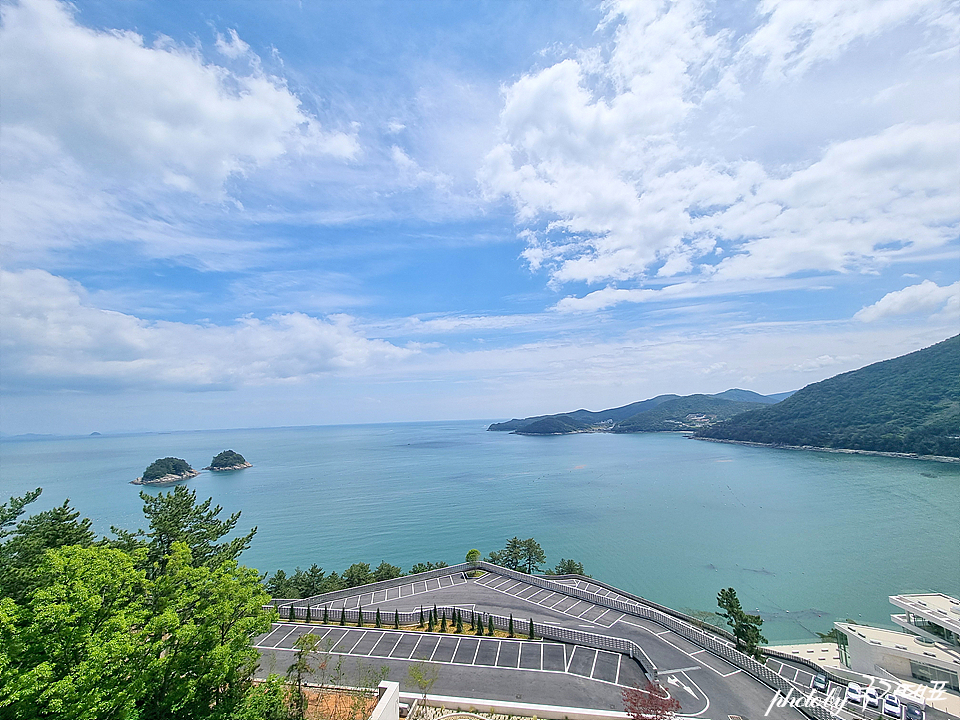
166,479
238,466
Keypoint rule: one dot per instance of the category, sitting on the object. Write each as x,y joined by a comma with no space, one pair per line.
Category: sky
248,214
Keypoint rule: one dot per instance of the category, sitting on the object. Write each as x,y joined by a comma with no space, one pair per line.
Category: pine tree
443,622
359,616
291,616
490,625
436,619
343,616
308,614
377,621
396,619
510,627
473,624
480,627
459,627
531,628
420,624
326,616
430,623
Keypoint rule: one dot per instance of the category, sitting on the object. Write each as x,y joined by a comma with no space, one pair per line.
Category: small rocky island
165,471
228,460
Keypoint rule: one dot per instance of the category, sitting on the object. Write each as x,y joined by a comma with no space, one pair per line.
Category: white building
928,652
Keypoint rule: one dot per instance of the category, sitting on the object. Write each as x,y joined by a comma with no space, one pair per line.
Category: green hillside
909,404
684,413
553,425
586,417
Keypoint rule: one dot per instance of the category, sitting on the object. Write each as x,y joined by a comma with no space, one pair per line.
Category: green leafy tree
746,628
568,567
309,582
473,555
280,586
357,574
10,511
386,571
423,675
226,459
426,567
305,650
267,700
521,555
166,466
177,517
22,553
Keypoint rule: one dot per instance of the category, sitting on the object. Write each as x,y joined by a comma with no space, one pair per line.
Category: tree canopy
746,628
226,459
166,466
110,630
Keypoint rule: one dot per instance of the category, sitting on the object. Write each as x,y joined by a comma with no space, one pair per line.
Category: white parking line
589,608
497,658
593,667
568,611
548,597
619,660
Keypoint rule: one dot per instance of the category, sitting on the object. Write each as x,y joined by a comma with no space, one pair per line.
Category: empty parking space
467,650
607,666
530,655
425,647
509,654
487,654
554,657
386,644
405,647
581,663
446,649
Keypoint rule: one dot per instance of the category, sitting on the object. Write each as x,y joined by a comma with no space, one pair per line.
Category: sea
804,537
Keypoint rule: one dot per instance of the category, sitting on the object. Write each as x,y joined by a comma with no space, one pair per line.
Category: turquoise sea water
804,537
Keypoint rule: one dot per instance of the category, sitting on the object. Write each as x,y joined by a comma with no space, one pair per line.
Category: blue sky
243,214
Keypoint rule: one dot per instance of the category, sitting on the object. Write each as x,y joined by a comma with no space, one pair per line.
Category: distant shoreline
842,451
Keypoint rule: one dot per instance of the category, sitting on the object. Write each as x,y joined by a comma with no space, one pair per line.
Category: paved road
707,686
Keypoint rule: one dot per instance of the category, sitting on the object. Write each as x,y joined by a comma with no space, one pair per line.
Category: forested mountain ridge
663,412
909,404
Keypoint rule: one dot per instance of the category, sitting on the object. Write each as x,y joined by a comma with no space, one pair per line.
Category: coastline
842,451
166,479
241,466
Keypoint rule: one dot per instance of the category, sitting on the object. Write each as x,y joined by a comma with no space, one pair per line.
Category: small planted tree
473,624
396,619
304,649
746,628
649,703
443,621
343,616
291,616
480,626
326,615
307,619
531,629
490,625
376,623
423,675
510,626
459,622
436,619
359,616
420,624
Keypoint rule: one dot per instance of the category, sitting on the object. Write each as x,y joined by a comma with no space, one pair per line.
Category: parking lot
523,655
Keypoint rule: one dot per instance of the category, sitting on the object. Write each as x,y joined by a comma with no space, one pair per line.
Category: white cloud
52,338
927,297
612,164
796,35
139,112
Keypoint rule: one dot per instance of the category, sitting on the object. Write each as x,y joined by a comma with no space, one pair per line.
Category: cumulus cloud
927,297
608,160
54,339
139,111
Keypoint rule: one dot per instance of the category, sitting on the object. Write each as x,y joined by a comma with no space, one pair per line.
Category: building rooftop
936,607
910,645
